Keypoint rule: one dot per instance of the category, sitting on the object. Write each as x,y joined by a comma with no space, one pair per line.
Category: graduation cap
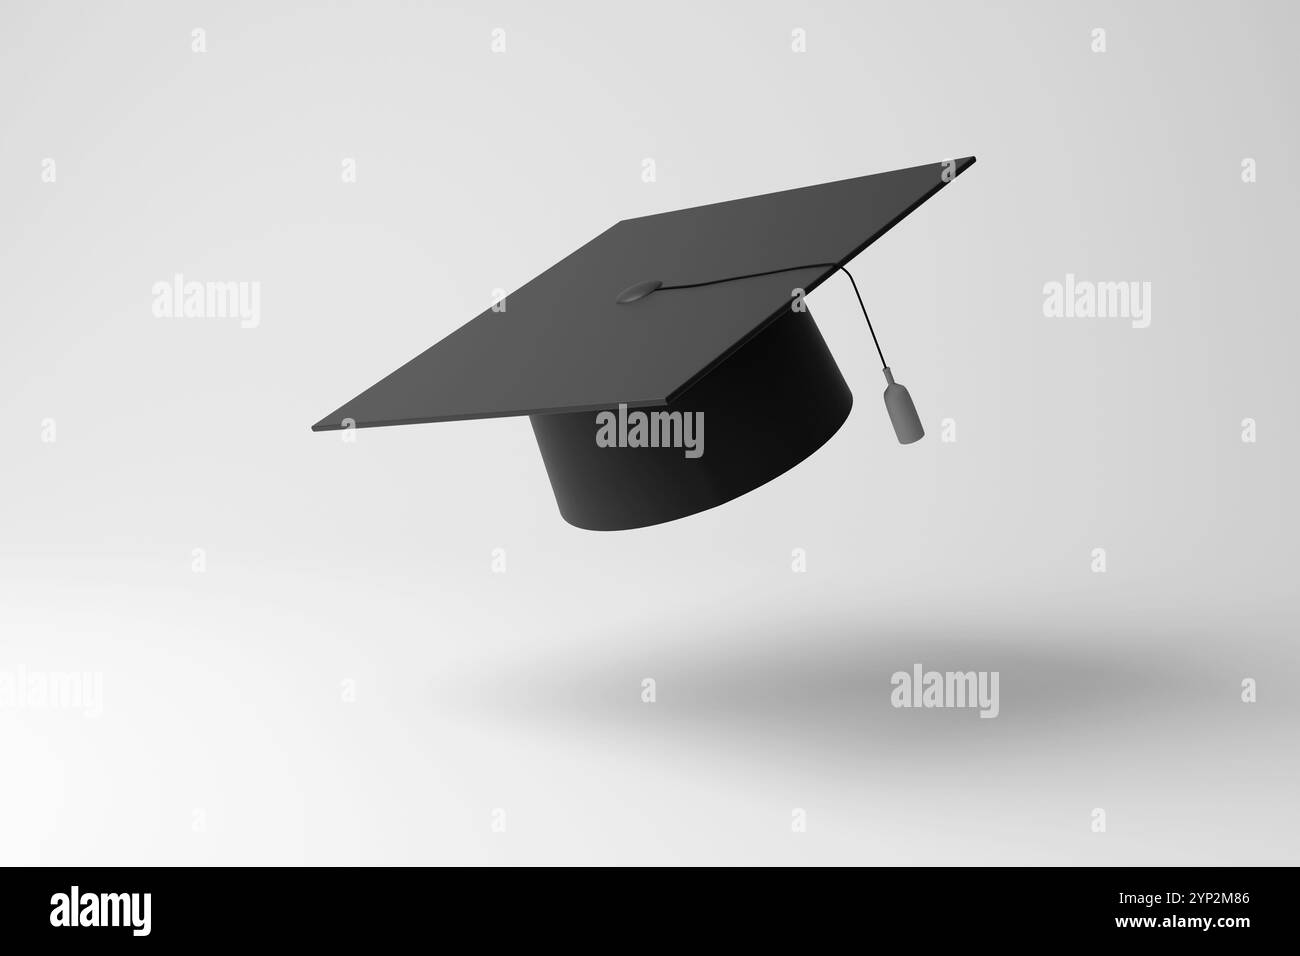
670,364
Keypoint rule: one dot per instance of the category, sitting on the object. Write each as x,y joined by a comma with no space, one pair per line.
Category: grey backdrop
348,680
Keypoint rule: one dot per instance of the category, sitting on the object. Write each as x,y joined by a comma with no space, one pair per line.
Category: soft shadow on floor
824,688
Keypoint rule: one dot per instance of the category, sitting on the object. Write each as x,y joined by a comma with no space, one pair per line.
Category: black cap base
764,409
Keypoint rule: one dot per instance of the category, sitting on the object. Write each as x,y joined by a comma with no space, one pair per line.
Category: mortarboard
670,364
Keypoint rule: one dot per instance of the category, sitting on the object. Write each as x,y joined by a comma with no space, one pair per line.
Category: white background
224,736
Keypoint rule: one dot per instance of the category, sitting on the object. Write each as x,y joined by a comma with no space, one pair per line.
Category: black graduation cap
670,364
